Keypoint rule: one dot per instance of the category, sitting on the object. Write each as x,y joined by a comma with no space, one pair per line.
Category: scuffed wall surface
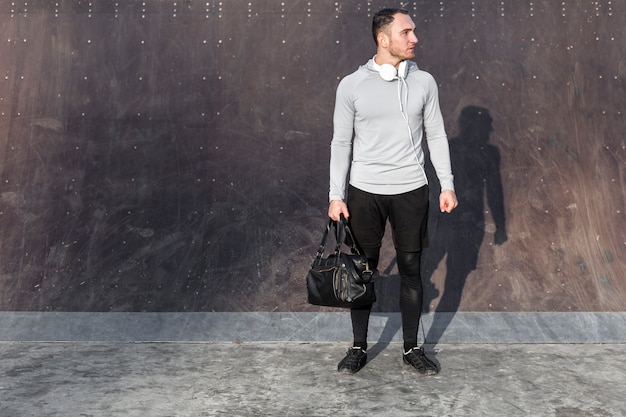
172,155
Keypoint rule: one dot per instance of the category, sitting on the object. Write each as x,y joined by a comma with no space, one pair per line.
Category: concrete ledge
587,327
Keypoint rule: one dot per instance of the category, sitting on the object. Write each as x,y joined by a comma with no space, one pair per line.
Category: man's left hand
447,201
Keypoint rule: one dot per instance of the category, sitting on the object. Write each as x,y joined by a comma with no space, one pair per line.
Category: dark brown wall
172,155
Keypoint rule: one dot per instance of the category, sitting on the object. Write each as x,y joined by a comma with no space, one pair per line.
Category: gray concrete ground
300,379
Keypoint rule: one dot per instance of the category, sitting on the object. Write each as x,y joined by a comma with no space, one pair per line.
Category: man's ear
383,40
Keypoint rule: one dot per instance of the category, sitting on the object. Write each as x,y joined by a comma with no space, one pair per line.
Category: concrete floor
300,379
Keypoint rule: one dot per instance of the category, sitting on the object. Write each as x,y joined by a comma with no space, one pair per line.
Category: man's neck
382,58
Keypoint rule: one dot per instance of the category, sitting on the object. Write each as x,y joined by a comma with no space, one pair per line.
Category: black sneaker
418,360
353,362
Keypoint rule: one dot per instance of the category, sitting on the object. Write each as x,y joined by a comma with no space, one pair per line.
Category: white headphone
389,73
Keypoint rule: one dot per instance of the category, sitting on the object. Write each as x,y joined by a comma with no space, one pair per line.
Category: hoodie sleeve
341,143
437,138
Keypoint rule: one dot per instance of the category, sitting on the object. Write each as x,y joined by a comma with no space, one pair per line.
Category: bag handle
339,232
341,228
320,250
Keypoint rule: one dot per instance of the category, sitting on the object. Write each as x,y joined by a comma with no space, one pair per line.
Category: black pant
408,216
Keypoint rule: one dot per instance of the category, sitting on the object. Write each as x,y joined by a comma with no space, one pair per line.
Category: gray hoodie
378,130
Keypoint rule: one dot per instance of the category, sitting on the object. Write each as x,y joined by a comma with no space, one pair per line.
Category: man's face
402,39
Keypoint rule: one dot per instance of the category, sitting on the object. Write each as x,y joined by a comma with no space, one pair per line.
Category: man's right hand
336,208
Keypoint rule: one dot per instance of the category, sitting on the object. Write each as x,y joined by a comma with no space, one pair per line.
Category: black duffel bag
341,279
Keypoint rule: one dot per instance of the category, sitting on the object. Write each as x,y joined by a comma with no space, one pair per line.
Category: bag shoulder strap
350,241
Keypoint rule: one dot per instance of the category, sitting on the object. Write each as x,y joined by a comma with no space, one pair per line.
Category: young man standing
381,113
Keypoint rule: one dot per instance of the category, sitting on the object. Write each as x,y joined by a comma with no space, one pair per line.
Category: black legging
411,296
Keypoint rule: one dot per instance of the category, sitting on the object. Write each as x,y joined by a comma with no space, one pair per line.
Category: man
381,112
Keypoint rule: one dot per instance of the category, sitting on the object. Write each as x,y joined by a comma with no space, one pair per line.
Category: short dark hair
382,19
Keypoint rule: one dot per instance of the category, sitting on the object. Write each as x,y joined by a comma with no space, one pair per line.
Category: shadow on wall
459,235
